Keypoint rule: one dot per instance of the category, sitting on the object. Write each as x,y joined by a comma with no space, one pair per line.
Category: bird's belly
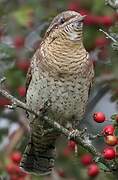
67,99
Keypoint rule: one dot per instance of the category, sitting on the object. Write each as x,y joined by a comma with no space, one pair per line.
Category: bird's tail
36,162
39,154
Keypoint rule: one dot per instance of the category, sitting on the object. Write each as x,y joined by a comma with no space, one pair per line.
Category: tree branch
108,36
115,42
112,3
83,141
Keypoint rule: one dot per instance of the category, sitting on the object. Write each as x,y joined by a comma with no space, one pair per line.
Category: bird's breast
68,97
64,58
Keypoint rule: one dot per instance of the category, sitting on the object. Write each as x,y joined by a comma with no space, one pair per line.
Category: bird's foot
44,110
47,106
73,134
82,133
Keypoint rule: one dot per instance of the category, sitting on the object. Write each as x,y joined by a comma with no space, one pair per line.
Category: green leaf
116,132
97,6
102,166
113,117
6,52
14,77
22,15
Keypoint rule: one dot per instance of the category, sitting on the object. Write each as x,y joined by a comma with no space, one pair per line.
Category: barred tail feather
38,162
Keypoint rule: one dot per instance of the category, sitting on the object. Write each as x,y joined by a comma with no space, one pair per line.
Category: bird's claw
73,134
45,108
83,131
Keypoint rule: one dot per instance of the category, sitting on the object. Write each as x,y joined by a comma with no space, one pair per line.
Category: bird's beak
82,17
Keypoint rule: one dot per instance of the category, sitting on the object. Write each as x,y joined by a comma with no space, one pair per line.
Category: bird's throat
62,56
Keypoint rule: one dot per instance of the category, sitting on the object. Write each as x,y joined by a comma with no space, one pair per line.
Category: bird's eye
62,20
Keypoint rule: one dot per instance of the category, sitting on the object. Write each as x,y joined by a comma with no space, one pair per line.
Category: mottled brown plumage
61,73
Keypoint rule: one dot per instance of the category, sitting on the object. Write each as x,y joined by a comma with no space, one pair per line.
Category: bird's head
67,25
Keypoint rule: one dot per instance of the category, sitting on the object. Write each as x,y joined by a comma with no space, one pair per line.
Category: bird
62,74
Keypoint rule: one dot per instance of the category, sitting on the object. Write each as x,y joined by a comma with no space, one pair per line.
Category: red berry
13,169
109,153
10,168
89,20
23,64
14,177
108,130
101,41
61,173
16,157
99,117
4,101
111,140
73,6
93,170
21,91
107,21
86,159
92,20
21,178
71,145
19,42
19,171
66,152
98,20
83,12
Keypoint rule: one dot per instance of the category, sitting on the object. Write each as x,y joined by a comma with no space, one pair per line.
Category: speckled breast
68,95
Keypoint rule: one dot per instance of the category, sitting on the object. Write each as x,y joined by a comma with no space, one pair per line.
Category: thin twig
16,101
108,36
112,4
93,137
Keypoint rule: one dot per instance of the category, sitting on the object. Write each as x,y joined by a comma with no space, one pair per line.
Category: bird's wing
36,58
91,78
28,77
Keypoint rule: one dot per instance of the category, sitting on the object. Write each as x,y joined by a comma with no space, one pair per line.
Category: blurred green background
22,26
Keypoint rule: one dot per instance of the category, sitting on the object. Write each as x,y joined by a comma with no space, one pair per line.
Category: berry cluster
109,153
92,168
23,64
21,91
110,138
91,19
86,160
70,148
13,169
